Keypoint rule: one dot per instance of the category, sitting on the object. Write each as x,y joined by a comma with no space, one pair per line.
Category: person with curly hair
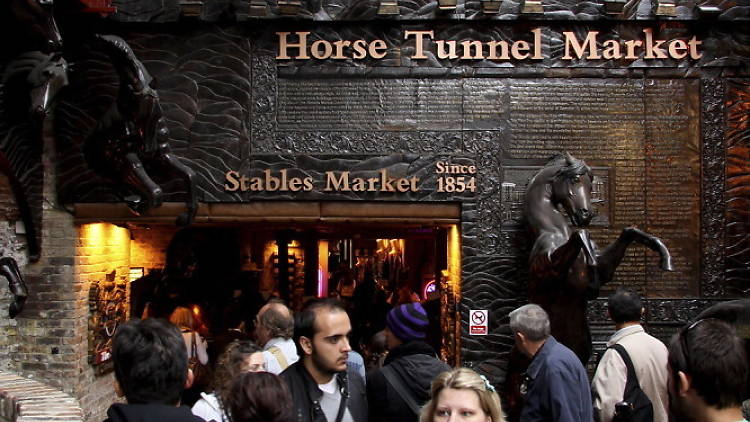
462,395
239,357
259,397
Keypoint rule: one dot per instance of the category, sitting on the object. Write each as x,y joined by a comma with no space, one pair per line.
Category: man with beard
708,372
323,388
401,387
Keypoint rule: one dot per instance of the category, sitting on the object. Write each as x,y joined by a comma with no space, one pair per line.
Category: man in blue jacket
556,387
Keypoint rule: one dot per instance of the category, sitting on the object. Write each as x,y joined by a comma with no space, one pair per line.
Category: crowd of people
301,368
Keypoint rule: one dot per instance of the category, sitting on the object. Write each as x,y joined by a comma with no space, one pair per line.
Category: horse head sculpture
132,133
9,269
571,187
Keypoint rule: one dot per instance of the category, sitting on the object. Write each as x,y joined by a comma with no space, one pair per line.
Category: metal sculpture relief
566,269
16,284
130,134
133,131
31,82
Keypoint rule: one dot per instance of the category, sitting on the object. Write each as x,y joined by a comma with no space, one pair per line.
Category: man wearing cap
396,391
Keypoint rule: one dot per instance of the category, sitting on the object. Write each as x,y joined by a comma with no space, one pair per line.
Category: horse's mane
569,166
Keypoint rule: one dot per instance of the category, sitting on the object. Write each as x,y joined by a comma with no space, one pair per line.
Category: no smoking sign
478,322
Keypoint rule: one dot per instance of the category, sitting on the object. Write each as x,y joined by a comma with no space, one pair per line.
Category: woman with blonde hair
182,317
462,395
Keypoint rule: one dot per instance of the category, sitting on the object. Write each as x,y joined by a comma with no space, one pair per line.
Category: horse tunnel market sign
298,46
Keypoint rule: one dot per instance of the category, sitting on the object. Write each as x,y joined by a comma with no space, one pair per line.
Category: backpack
635,405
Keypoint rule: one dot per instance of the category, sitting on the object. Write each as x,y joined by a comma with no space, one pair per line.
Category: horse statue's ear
568,158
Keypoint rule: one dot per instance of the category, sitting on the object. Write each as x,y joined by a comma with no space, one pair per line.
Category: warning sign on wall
478,320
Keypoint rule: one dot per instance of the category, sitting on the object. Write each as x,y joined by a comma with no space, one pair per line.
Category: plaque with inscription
369,104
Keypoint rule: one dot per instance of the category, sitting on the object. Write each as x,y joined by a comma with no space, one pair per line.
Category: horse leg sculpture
557,262
9,269
611,256
135,176
167,160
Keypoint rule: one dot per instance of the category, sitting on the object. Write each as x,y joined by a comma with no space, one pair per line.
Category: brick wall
148,249
101,249
48,341
10,245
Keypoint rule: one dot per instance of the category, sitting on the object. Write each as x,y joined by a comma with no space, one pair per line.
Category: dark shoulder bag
635,405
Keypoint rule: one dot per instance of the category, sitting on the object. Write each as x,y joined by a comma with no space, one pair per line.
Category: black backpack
635,405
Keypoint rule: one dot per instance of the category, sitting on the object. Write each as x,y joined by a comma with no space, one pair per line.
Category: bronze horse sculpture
566,268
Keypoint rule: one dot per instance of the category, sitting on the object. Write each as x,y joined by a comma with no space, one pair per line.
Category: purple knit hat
408,322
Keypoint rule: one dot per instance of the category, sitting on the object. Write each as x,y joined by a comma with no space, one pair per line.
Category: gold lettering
372,181
284,44
518,50
467,47
295,184
340,44
441,49
653,48
272,183
414,180
283,186
677,49
611,50
418,42
589,42
386,183
402,185
493,45
375,46
359,185
256,184
231,177
308,183
327,49
630,46
332,184
694,43
537,44
360,52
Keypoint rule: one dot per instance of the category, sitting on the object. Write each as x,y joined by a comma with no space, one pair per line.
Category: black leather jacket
416,365
306,394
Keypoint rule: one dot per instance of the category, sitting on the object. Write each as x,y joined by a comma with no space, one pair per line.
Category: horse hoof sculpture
9,269
566,267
